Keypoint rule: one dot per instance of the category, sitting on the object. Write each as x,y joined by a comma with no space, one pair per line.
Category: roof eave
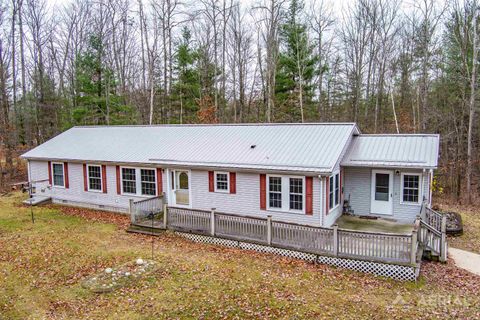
383,165
199,165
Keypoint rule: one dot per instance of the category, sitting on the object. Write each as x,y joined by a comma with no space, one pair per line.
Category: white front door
180,187
382,192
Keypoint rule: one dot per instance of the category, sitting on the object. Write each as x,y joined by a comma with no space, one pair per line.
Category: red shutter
159,182
309,195
210,181
85,179
327,195
263,192
119,189
65,173
49,173
104,178
233,182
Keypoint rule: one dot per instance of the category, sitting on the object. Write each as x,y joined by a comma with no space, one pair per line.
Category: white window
138,181
149,185
334,191
129,180
275,192
286,193
58,175
222,181
296,194
94,178
410,188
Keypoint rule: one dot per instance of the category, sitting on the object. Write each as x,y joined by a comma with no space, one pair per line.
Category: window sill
415,204
137,195
95,191
222,191
332,209
287,211
58,187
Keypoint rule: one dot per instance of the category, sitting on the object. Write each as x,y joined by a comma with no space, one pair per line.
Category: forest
390,66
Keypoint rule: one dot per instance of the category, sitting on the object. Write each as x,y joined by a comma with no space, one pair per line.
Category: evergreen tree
187,87
97,101
296,69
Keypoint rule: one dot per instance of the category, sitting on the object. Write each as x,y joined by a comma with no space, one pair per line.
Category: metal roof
313,147
393,150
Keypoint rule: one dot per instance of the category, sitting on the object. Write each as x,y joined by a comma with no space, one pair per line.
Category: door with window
180,186
382,192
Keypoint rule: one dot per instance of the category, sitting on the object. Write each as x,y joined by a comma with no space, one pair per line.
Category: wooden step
145,230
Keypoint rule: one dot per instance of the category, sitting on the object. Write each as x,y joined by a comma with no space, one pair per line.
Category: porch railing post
443,244
335,239
130,210
212,222
165,214
413,249
269,230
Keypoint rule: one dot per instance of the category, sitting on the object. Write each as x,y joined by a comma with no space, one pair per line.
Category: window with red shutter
233,182
65,172
119,188
85,178
263,192
104,178
211,186
309,195
49,172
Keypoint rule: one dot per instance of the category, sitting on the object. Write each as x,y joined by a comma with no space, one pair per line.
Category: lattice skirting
397,272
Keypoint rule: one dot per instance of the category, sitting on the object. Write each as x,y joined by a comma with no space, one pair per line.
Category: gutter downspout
322,206
430,189
29,176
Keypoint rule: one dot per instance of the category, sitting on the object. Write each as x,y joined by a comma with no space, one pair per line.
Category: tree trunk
471,114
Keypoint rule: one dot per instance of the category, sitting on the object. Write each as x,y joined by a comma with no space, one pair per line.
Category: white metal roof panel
296,147
393,150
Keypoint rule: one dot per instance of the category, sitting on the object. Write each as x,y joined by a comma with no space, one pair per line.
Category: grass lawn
42,266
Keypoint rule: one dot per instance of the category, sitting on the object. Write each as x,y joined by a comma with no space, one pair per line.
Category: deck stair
36,200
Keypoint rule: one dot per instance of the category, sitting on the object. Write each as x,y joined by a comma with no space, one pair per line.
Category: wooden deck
359,223
393,248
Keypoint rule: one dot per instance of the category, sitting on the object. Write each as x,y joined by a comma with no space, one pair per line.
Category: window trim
286,193
151,182
53,175
420,187
281,193
333,177
88,178
138,181
215,182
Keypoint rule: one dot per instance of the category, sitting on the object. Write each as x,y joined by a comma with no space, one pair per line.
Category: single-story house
299,173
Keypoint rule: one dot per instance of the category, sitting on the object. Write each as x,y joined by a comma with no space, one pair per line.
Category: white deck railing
145,209
370,246
433,231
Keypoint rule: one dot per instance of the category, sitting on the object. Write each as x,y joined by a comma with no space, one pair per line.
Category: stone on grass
140,261
109,280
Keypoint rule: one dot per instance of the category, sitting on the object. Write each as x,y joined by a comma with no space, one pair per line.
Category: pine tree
187,87
294,89
97,100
